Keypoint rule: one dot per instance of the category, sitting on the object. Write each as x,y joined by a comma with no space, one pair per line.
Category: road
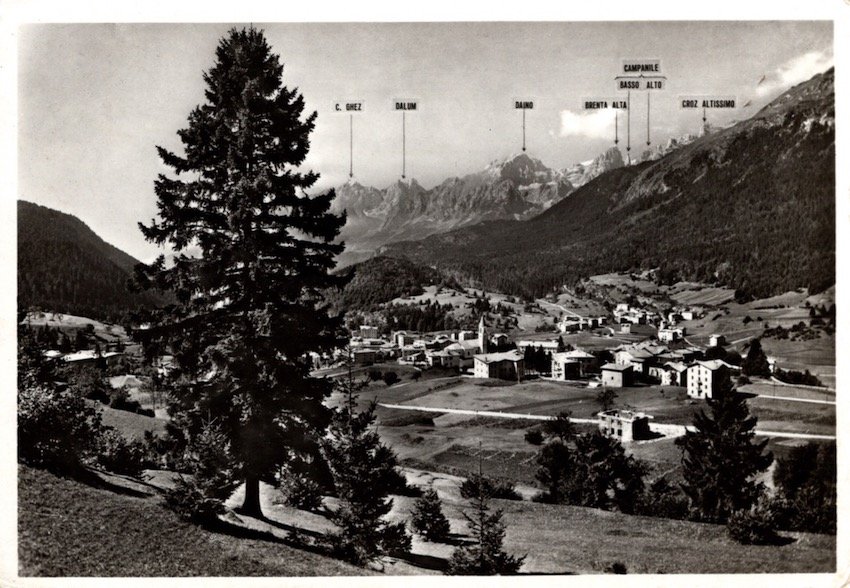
666,429
788,398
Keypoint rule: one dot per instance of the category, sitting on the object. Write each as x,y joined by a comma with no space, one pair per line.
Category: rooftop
624,415
678,366
616,367
496,357
715,364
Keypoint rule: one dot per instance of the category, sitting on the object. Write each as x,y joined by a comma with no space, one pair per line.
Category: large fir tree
721,460
246,311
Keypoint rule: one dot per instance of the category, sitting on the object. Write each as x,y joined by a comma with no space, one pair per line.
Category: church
506,365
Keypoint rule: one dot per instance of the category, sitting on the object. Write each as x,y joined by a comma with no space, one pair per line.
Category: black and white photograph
372,297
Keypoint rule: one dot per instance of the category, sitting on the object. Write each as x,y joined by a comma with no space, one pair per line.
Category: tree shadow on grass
282,526
316,543
776,540
457,539
96,479
240,532
427,562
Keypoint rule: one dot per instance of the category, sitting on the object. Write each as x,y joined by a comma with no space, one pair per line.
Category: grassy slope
131,424
66,528
586,540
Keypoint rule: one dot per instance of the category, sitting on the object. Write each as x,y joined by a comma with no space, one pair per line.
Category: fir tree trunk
251,505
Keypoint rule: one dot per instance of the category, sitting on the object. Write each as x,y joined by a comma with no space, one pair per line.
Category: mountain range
751,206
517,188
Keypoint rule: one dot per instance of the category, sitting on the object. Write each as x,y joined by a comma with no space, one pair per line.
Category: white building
467,335
508,365
402,338
707,378
547,345
368,332
459,354
672,373
571,364
617,375
670,335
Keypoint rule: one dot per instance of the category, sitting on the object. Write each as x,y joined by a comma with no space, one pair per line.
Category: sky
95,99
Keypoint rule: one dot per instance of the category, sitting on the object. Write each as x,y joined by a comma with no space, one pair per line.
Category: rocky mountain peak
582,173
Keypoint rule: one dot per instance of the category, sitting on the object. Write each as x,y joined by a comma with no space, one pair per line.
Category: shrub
794,377
121,456
117,397
428,518
200,496
477,485
88,382
390,378
618,567
806,483
191,503
123,404
751,527
57,430
534,436
663,500
302,492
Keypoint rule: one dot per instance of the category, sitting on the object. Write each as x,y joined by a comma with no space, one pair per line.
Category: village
662,357
633,349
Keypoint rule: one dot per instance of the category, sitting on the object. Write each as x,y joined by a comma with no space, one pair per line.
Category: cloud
594,124
794,71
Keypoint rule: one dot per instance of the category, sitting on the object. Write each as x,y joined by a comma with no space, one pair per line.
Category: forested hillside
63,266
379,280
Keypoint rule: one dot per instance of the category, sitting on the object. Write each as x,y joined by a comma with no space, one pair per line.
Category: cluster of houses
624,313
684,367
625,316
478,351
486,355
571,323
